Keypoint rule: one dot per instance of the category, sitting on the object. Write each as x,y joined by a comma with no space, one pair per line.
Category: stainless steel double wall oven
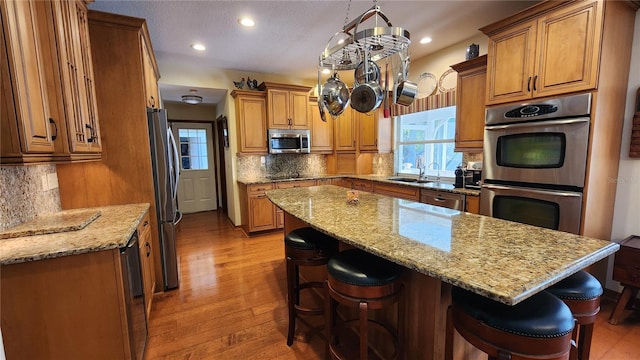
535,158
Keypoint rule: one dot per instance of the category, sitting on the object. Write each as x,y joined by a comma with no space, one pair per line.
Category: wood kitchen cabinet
443,199
48,93
145,244
548,50
69,307
125,174
398,191
374,131
470,104
286,106
251,121
151,76
363,185
321,131
472,204
345,131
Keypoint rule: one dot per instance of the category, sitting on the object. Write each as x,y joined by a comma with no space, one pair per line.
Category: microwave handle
538,123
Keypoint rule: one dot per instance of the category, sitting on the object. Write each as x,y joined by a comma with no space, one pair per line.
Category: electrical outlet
262,160
45,183
52,179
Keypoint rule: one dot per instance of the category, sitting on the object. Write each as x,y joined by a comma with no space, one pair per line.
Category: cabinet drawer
295,184
403,192
144,225
323,182
259,188
628,274
364,185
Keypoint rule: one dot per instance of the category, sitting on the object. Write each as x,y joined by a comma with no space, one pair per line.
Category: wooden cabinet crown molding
525,15
270,85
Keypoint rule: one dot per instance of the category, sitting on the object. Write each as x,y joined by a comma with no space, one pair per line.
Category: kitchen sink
409,180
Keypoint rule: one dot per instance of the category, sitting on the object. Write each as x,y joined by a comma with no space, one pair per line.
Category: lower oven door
552,209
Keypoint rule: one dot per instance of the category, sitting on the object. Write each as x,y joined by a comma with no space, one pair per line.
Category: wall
625,215
188,112
203,75
23,196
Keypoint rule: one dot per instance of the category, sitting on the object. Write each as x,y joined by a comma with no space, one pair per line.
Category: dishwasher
134,296
442,199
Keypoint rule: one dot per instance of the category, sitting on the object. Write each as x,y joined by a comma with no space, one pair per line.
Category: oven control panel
532,110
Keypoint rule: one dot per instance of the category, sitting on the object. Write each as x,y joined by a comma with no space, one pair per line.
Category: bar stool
537,328
304,247
361,280
581,292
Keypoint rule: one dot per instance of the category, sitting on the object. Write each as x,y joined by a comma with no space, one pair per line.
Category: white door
196,187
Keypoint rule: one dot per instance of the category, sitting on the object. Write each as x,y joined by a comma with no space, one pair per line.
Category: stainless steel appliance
289,141
535,158
166,173
134,296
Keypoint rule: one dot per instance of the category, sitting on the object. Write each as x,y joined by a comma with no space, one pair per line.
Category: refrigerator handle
176,165
178,217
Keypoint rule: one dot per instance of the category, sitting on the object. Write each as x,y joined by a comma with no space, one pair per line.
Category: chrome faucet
437,167
421,176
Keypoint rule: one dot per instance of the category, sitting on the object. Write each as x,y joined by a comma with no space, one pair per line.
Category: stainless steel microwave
289,141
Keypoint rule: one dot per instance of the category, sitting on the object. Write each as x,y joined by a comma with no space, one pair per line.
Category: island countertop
502,260
110,230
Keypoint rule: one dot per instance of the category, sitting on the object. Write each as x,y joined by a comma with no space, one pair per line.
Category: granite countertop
440,186
499,259
110,230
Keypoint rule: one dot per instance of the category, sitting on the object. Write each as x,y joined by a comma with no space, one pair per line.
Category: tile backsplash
22,194
284,165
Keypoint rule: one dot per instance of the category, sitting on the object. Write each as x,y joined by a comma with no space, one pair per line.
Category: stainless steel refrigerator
166,173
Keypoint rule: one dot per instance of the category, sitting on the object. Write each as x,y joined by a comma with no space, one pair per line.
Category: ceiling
290,35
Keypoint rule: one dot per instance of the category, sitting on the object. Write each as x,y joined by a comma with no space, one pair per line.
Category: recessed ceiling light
425,40
198,47
245,21
326,71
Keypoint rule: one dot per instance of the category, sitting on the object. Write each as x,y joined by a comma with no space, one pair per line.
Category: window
193,149
426,140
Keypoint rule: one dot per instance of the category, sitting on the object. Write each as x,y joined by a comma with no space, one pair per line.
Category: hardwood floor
231,303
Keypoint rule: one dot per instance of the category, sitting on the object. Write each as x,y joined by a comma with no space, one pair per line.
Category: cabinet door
278,116
367,131
472,204
252,130
29,121
470,104
321,132
345,131
76,69
298,104
568,50
261,213
511,63
146,261
150,76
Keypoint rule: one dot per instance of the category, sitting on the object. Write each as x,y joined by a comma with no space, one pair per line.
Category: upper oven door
551,152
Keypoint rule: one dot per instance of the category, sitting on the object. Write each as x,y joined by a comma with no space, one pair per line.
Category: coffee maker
473,175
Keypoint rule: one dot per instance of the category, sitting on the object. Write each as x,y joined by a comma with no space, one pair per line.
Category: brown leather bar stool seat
581,292
304,247
361,280
537,328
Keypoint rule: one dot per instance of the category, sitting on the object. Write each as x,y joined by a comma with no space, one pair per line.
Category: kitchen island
502,260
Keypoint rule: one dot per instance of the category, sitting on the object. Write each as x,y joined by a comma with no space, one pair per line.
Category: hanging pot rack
376,43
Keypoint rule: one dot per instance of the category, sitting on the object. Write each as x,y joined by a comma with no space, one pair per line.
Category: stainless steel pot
366,73
406,93
366,97
335,96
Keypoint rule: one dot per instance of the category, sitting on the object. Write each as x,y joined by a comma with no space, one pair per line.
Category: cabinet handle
93,136
534,82
55,126
146,222
529,84
146,245
261,196
153,102
439,199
